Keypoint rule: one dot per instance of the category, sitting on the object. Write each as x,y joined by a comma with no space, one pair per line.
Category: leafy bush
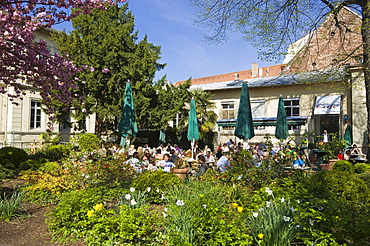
57,152
88,142
364,177
5,173
361,167
69,220
30,164
344,166
11,157
158,181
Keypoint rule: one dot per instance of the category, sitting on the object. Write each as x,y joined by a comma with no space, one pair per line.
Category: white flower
163,197
311,222
180,203
205,206
148,189
255,214
268,204
292,209
320,208
133,202
286,218
269,191
165,209
282,199
260,209
164,214
128,196
157,190
297,226
132,189
298,201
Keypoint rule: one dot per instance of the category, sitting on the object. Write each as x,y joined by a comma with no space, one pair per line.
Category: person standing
325,137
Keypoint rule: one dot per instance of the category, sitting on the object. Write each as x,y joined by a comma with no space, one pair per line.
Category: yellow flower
90,213
240,209
234,205
98,206
260,236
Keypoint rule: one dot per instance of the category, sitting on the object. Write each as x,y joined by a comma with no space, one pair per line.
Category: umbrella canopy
162,137
281,130
128,126
347,135
244,123
193,130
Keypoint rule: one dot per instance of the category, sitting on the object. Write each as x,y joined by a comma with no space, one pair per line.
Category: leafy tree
273,25
26,61
106,48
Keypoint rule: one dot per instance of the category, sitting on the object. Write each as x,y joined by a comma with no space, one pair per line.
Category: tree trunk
365,30
98,125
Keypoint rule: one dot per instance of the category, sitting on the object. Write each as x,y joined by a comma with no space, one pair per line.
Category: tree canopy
106,49
25,61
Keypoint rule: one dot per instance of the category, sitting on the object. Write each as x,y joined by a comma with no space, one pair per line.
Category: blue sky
169,24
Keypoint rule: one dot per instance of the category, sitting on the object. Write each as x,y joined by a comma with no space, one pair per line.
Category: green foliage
88,142
198,213
68,220
344,166
277,218
331,148
134,198
11,157
112,54
129,227
5,172
158,181
30,164
9,205
361,168
364,177
50,138
57,152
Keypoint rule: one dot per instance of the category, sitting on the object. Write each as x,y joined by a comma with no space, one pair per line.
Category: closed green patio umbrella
128,126
244,123
162,137
348,135
281,130
193,129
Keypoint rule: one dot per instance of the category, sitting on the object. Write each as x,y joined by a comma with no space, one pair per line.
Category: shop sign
327,105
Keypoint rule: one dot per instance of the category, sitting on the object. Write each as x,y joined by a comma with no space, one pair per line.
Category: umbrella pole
192,148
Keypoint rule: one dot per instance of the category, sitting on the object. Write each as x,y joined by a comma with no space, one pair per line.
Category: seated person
166,164
135,162
357,153
203,167
298,162
223,163
209,158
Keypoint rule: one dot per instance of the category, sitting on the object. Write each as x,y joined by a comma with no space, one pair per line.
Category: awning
267,121
327,105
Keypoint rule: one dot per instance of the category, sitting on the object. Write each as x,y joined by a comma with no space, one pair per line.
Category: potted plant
181,168
331,150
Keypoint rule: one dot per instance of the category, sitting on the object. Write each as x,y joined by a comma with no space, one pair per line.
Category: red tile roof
270,71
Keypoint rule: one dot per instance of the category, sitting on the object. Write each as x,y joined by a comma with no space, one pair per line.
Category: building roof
245,74
281,80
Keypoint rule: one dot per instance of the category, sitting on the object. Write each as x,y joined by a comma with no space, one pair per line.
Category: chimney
254,69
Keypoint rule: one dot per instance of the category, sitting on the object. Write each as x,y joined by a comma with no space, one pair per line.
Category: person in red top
340,155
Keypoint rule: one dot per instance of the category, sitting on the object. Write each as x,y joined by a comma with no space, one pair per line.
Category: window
258,108
228,110
292,109
176,120
35,121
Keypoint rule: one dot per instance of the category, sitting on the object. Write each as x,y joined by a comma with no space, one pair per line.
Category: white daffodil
205,206
148,189
133,202
128,196
180,203
268,204
255,214
132,189
286,218
282,199
260,210
269,191
164,214
165,209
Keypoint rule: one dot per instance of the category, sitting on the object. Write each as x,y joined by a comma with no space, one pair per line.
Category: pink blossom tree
28,63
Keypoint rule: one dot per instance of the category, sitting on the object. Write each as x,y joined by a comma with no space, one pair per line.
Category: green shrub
11,157
30,164
158,181
5,173
88,142
361,167
364,177
344,166
57,152
69,220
